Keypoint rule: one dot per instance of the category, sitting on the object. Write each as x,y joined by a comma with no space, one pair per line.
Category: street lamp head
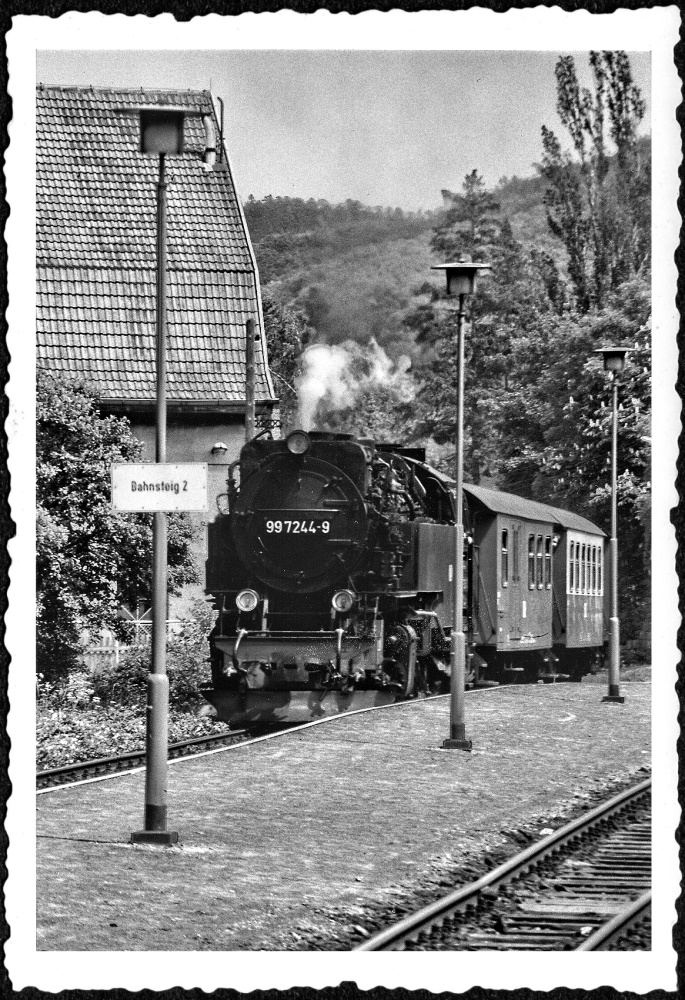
614,358
461,275
161,130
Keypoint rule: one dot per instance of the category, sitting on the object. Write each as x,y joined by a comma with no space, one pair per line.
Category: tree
598,205
287,334
524,285
557,429
470,224
89,559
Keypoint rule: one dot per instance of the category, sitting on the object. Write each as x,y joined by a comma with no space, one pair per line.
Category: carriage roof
507,503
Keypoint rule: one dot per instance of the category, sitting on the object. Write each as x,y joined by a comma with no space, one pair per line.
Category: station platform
293,839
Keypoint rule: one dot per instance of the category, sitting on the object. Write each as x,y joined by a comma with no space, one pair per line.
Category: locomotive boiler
332,571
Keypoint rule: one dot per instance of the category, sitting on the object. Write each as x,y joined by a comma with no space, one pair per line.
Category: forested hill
291,233
353,270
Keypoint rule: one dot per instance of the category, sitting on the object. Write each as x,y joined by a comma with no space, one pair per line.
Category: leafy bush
89,558
84,716
187,663
71,734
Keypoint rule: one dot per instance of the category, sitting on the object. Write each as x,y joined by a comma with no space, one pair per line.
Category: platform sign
163,487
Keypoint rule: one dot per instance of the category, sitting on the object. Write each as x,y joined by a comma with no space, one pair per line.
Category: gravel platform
300,842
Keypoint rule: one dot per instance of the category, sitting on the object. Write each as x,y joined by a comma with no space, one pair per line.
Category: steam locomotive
332,571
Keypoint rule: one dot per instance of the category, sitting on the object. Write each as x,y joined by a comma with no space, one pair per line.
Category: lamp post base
457,745
164,837
614,695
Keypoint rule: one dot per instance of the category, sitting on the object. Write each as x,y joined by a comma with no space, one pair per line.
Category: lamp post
614,362
161,133
461,281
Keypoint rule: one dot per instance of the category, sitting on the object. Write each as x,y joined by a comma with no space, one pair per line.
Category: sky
390,128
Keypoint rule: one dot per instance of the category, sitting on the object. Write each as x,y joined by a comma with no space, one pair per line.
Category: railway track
68,773
583,888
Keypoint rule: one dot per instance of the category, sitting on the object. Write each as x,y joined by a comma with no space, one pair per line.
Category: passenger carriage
536,586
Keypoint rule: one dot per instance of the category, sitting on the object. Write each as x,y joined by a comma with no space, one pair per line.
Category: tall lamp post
461,281
161,133
614,362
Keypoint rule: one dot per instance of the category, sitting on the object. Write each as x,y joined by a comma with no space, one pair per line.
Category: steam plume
336,375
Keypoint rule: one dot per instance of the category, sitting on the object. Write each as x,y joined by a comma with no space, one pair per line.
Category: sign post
153,487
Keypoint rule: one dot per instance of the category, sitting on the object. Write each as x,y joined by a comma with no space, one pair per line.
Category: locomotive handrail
284,633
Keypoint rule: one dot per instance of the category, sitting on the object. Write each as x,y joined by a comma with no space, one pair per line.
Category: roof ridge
89,88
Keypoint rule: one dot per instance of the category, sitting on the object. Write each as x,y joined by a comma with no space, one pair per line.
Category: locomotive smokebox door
301,523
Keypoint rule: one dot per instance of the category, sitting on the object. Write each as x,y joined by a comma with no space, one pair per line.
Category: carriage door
515,593
508,582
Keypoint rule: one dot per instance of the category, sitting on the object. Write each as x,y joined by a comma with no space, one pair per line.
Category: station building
96,273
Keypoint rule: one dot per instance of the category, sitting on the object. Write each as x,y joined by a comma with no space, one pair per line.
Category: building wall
192,442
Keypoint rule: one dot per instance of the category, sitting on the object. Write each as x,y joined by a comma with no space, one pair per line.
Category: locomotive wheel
401,665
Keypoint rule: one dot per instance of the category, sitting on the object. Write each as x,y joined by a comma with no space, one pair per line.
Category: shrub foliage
89,558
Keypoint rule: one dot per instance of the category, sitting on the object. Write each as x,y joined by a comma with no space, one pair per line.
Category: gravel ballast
306,841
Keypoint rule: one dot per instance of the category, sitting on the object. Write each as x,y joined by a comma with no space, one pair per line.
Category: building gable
96,253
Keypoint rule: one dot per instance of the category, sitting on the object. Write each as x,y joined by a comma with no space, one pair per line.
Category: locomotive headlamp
298,443
247,600
342,600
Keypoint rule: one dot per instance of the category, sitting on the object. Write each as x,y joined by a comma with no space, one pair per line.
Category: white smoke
337,374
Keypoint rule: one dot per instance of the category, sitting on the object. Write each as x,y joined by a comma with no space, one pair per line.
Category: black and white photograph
342,440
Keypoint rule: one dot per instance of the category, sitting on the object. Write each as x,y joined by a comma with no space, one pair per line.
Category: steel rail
614,929
468,894
59,775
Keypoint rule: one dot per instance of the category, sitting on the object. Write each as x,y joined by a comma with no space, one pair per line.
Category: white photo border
542,28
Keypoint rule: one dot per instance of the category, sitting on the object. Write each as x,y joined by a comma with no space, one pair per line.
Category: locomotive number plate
297,522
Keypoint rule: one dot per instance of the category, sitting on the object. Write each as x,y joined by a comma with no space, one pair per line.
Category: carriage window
505,558
515,568
548,561
539,564
531,562
583,575
577,562
588,578
599,569
594,569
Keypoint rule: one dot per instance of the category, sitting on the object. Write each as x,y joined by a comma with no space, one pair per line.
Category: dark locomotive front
329,571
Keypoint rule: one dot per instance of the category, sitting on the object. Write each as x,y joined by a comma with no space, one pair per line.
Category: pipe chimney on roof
209,157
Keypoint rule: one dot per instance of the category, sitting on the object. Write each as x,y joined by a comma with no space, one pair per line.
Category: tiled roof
96,251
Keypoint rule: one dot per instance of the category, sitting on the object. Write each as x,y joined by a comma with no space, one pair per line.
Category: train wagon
333,567
536,590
